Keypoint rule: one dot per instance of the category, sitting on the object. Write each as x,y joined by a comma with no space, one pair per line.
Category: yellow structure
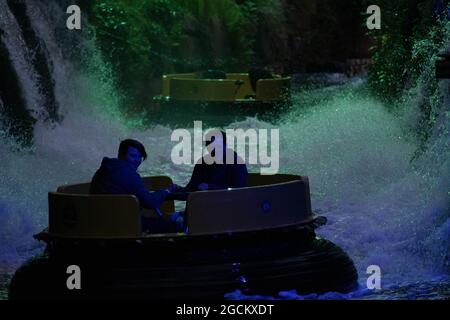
235,88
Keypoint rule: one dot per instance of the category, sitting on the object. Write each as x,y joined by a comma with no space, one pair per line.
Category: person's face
133,157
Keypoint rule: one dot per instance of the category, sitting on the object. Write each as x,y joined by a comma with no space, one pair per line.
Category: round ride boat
232,87
217,99
259,239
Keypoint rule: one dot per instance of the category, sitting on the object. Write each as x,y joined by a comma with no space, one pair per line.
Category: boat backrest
203,89
251,208
78,188
256,179
167,77
152,183
187,87
160,182
83,216
245,89
269,201
272,89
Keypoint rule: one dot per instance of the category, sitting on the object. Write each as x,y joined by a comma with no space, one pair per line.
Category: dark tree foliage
410,35
143,39
404,52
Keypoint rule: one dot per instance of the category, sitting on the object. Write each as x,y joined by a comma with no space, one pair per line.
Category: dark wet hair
224,137
127,143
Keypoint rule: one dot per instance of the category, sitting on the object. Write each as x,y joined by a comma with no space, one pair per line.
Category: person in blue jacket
119,176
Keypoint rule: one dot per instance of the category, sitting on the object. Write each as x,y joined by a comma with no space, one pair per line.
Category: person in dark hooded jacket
210,175
119,176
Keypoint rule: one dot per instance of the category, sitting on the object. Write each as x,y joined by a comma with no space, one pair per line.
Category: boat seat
223,211
256,179
204,89
236,87
157,183
152,183
79,188
167,77
246,88
268,90
84,216
276,201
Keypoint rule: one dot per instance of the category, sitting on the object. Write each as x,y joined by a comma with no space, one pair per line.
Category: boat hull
189,268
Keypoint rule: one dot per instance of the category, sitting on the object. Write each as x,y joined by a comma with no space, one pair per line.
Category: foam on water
383,207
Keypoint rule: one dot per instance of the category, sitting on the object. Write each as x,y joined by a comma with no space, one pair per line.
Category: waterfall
20,56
